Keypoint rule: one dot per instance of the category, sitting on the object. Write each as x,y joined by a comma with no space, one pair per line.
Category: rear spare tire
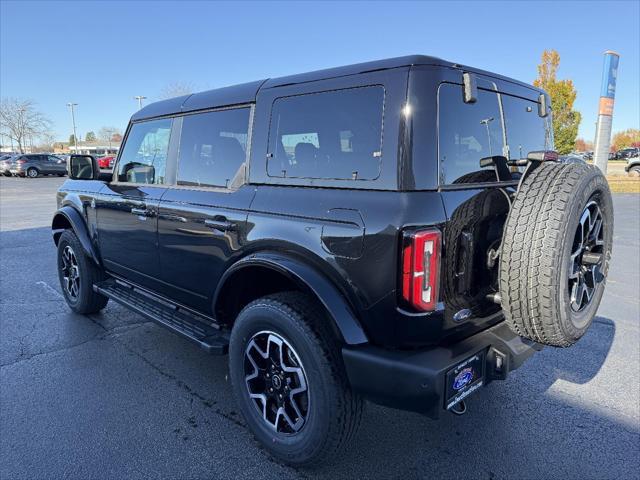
555,253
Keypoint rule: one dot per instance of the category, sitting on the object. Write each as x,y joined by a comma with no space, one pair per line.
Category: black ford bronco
397,231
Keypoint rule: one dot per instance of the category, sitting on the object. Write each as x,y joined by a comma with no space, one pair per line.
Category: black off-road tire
535,261
334,410
86,301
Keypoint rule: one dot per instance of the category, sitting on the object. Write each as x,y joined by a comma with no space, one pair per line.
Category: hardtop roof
247,92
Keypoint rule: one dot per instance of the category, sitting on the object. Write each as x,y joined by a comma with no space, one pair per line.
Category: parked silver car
5,164
33,165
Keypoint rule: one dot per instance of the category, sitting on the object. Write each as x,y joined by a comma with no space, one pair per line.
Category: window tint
144,157
213,148
468,132
334,134
526,130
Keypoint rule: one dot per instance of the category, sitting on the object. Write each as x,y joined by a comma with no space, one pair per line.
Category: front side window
144,157
213,148
468,132
329,135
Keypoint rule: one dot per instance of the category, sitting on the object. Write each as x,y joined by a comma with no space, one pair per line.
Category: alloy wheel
70,273
586,259
276,382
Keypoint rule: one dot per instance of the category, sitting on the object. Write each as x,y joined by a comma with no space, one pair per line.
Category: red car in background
106,162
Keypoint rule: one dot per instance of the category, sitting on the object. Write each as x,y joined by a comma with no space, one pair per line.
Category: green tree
72,140
566,120
90,137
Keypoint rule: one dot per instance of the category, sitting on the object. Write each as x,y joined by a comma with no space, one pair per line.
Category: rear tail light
21,161
421,268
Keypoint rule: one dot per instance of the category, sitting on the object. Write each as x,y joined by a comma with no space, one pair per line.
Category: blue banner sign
609,74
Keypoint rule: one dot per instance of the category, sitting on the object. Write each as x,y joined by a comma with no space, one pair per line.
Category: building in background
91,148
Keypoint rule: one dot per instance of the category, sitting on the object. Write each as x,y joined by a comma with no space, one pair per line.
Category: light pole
73,121
140,98
486,122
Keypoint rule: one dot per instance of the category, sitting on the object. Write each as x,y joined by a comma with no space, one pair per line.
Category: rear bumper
415,380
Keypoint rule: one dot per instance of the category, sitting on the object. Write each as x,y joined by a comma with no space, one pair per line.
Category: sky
102,54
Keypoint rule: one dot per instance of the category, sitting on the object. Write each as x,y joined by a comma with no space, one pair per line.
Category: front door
56,165
202,222
127,208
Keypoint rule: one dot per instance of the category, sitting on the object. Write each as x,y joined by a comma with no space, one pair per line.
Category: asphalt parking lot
114,396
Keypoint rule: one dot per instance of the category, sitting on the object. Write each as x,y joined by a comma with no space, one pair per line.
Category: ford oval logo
462,315
463,379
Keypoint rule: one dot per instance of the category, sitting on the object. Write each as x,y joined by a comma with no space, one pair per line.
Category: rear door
476,203
127,208
202,222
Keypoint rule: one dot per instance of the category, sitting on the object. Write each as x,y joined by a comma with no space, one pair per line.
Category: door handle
141,212
173,218
222,225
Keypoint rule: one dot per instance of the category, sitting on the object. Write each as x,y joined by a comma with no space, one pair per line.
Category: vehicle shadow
519,428
515,429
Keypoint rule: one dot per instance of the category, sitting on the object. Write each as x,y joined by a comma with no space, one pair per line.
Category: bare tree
108,133
47,142
176,89
21,121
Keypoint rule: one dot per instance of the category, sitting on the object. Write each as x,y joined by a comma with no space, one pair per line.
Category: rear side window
144,157
213,148
328,135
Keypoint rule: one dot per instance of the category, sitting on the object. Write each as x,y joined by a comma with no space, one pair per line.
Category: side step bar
196,328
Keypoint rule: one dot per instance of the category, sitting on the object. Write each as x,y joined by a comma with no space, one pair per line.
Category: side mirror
83,167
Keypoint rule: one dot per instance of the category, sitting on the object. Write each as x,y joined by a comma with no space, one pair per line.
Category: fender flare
79,227
309,279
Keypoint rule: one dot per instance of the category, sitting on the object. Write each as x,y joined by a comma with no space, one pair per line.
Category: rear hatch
478,142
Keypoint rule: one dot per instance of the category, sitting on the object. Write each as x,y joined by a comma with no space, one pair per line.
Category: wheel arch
270,272
68,218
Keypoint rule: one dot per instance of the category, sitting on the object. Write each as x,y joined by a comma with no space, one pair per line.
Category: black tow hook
459,408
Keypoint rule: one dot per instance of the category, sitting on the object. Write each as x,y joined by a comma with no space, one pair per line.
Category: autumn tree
626,138
583,145
563,94
20,120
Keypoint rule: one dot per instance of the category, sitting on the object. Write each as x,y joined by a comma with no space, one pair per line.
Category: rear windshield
496,124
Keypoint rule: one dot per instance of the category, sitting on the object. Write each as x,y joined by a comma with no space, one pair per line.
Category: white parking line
49,288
